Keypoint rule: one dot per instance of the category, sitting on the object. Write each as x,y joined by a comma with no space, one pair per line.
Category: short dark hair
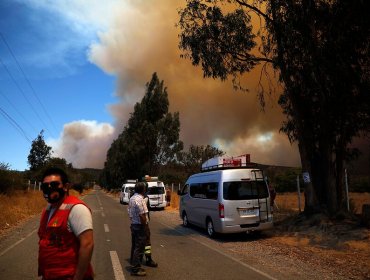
56,171
140,187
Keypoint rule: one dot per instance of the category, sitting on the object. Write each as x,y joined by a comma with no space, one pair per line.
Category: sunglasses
52,185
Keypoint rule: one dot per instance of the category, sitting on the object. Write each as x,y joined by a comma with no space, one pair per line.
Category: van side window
185,189
197,191
204,190
245,190
211,190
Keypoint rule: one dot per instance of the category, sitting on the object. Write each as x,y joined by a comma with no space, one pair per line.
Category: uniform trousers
138,240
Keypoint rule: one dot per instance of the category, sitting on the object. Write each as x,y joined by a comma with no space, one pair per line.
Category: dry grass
289,202
174,204
19,206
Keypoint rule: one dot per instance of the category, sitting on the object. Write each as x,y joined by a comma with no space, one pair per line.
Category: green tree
4,166
196,155
10,179
150,138
320,50
39,154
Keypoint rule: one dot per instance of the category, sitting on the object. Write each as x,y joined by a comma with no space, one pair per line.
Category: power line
19,113
14,124
24,95
28,81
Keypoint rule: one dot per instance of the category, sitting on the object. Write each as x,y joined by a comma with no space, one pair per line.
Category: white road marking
106,228
16,243
99,201
117,268
102,214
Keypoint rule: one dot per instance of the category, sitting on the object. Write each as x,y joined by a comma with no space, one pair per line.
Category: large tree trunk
311,202
339,166
329,199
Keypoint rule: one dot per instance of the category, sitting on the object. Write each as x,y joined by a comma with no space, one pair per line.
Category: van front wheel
210,228
185,221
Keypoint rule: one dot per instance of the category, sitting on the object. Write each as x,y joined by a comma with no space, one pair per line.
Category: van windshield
243,190
156,190
129,189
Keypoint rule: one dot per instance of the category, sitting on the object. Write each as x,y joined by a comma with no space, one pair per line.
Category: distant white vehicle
127,190
156,193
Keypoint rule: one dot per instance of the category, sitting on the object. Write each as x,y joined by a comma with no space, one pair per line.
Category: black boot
150,262
137,271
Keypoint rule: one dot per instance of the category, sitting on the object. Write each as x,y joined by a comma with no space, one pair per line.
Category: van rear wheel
210,228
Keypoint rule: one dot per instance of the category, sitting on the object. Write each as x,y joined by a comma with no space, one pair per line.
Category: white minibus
156,193
227,201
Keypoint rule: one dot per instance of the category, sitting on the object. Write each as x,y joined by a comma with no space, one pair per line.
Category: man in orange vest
66,232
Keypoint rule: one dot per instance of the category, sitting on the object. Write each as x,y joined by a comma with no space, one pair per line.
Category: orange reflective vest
58,247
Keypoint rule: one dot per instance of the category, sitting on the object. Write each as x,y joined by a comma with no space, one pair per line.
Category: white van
156,193
126,191
227,201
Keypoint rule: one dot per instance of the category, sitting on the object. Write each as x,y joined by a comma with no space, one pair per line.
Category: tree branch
251,58
253,8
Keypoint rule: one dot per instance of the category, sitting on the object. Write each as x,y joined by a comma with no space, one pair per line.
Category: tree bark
311,202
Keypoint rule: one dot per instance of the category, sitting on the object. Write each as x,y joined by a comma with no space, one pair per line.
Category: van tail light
221,210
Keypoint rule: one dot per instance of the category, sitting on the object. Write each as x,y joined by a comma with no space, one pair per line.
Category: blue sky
52,54
87,63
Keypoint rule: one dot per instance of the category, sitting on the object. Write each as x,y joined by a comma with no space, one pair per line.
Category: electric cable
19,113
15,124
24,95
28,81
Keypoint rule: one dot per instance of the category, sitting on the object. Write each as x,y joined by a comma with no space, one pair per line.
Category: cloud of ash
143,39
140,39
84,143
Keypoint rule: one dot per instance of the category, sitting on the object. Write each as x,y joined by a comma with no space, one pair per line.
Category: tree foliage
196,155
39,154
150,138
4,166
320,50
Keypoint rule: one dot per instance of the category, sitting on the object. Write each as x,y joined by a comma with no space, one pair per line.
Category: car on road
127,190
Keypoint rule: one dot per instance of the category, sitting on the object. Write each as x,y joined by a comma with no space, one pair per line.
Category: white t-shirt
79,219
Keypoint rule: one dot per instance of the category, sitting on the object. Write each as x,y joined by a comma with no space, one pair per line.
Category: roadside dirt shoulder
304,251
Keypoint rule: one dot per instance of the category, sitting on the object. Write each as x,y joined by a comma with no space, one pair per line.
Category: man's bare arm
84,255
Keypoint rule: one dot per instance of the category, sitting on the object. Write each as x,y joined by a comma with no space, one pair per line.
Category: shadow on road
191,230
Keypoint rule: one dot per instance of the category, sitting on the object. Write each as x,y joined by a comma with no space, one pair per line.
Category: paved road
180,255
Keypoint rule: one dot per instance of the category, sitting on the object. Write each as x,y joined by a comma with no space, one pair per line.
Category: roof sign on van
148,178
227,162
131,181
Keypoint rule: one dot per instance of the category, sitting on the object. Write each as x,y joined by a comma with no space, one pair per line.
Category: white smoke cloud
84,143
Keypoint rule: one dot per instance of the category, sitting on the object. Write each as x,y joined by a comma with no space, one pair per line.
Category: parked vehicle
127,191
229,196
156,193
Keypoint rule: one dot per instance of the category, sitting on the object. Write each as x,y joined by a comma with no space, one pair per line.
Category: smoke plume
141,39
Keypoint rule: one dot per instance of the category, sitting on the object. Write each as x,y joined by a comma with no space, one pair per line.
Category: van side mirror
178,192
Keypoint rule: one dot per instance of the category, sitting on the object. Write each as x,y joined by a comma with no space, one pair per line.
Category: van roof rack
148,178
223,167
220,163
